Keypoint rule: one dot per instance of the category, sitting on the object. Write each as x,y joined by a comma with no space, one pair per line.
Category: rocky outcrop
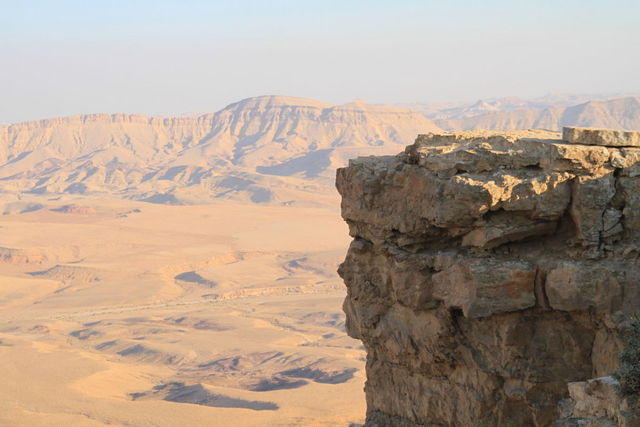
487,271
597,402
606,137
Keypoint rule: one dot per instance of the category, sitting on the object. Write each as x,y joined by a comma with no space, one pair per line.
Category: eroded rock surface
597,402
607,137
487,271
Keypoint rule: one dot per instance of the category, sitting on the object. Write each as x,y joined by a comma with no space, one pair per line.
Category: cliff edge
488,270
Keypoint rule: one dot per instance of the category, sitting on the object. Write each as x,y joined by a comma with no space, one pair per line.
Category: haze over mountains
228,308
619,113
243,151
459,110
267,149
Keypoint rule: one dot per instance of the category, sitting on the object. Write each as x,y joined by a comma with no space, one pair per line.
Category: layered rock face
489,270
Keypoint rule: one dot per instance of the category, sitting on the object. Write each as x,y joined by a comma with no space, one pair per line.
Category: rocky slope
264,149
489,270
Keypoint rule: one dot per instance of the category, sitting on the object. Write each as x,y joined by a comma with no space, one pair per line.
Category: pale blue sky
165,57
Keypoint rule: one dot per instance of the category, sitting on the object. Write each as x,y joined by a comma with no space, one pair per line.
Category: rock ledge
488,270
604,137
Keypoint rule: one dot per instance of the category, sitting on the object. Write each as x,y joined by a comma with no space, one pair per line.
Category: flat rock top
603,137
471,135
570,135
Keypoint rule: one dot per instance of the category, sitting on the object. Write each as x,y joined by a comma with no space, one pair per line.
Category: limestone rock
583,286
498,234
488,271
597,402
605,137
481,287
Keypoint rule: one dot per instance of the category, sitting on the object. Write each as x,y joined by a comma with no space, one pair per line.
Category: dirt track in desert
129,313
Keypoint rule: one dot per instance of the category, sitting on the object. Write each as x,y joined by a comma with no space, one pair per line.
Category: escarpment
488,270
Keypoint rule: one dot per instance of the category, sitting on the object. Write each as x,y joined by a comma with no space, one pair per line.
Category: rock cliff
488,270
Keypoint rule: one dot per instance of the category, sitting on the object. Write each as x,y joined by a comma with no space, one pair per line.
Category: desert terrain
130,313
182,270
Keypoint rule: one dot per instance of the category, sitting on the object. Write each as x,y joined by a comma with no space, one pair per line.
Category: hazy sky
61,57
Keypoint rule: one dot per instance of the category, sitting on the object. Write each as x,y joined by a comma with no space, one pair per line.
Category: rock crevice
489,270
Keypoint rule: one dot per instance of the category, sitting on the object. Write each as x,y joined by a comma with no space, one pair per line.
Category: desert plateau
284,213
182,271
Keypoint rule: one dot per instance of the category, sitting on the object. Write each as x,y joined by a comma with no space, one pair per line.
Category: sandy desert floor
127,313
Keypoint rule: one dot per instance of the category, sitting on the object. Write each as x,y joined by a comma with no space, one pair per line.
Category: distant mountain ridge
264,149
267,149
622,113
548,112
460,110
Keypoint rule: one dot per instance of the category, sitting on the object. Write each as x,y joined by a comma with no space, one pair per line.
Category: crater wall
487,270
